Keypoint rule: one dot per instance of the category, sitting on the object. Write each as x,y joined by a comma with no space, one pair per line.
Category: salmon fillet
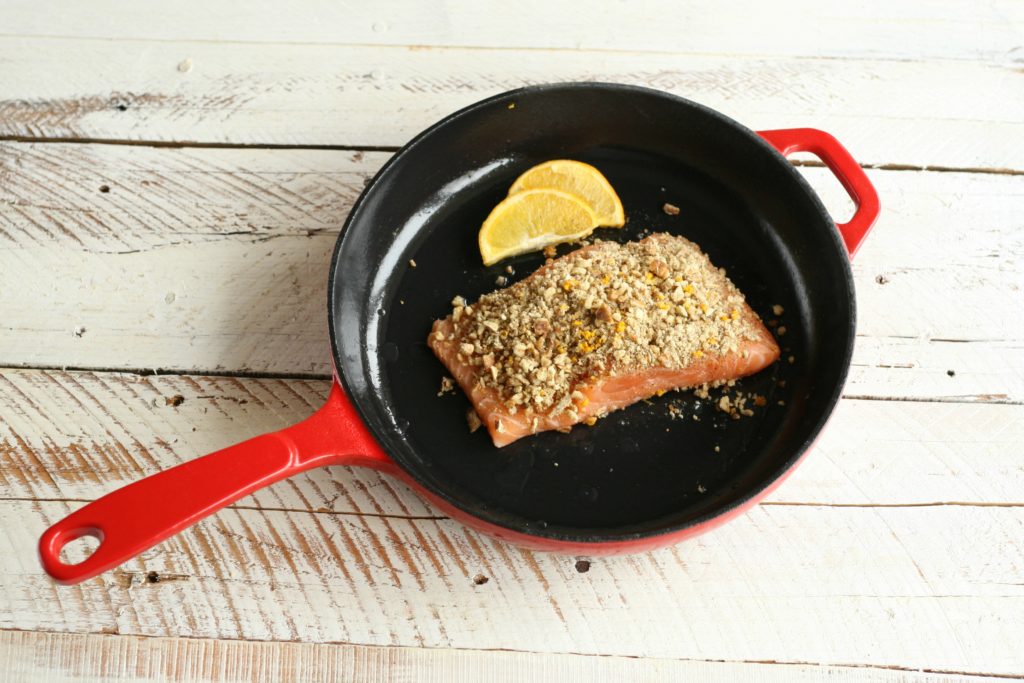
597,330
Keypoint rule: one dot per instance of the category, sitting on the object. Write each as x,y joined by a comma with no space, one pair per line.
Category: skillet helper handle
845,168
134,518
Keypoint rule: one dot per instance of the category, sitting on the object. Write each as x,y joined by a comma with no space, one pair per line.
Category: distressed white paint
932,587
62,658
903,521
237,280
877,28
885,111
77,435
896,546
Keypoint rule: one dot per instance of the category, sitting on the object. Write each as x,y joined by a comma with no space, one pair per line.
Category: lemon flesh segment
531,220
580,179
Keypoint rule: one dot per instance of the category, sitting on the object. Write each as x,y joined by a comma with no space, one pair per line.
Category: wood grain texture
61,658
885,111
947,30
216,260
893,554
74,436
906,528
105,199
936,587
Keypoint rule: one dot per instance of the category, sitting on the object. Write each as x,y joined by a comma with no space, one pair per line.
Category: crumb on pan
447,386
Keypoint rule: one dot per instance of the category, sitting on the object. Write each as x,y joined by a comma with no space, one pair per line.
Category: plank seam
967,399
198,144
253,508
193,144
441,518
981,61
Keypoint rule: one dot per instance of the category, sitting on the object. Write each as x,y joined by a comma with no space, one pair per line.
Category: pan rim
652,528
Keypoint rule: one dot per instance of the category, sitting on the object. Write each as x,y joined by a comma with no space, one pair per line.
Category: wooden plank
146,276
920,368
77,435
262,232
27,657
74,436
936,588
948,30
886,112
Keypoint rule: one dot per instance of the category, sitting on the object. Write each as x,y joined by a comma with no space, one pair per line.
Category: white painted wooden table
172,179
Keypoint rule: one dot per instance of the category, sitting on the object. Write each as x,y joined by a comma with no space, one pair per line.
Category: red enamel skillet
640,478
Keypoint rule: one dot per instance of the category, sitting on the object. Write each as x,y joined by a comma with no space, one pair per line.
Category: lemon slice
531,220
580,179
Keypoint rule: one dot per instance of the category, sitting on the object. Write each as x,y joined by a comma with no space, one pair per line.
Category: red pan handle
140,515
845,168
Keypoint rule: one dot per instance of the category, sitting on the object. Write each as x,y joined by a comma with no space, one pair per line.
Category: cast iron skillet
640,478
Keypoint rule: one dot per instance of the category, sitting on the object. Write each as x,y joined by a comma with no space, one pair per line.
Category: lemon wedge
533,219
580,179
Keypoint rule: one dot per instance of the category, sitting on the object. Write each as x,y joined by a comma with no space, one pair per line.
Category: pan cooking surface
638,464
641,470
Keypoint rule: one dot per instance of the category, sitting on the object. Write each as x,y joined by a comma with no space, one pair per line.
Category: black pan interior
659,465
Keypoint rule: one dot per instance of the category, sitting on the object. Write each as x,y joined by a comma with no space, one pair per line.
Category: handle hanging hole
80,548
